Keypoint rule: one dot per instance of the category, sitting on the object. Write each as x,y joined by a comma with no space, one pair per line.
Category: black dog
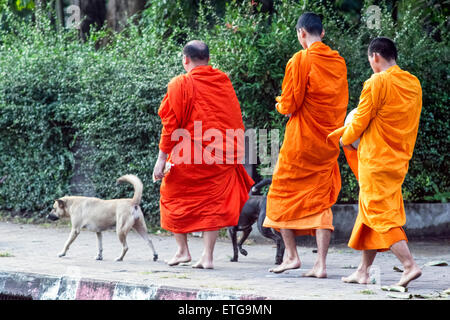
255,210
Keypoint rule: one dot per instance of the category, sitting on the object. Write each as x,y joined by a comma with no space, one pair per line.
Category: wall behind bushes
74,118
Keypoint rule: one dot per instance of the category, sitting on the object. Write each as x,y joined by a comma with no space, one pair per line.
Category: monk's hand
158,170
286,115
346,146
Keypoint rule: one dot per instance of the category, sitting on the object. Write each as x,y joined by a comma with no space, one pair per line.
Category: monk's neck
192,67
312,40
386,66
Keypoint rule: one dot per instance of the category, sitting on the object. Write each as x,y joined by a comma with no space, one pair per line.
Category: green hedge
64,104
67,107
254,49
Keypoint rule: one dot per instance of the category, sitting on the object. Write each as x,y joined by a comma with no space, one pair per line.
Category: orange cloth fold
365,238
306,225
387,121
306,179
197,194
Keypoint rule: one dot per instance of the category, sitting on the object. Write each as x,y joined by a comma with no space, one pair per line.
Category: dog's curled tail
137,184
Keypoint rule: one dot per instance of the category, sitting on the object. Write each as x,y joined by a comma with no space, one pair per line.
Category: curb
28,286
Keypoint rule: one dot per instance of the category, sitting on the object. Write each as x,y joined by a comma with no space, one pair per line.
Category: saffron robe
207,186
306,179
387,120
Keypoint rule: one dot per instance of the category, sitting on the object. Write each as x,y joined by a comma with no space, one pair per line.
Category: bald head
197,51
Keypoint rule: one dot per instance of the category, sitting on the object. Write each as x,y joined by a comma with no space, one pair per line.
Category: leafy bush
65,105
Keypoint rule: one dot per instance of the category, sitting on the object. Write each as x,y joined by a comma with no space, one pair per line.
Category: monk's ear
376,57
322,34
61,203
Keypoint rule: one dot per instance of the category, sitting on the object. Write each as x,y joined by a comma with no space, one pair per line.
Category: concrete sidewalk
29,267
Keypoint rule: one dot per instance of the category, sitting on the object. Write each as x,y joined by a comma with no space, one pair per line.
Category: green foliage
254,49
74,118
64,105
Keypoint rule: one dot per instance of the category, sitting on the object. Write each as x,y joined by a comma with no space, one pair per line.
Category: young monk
306,180
387,120
200,193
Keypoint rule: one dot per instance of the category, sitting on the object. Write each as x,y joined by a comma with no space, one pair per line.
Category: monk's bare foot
409,275
205,262
177,259
286,265
316,272
203,265
358,276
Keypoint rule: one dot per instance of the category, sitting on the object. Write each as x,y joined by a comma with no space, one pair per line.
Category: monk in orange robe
306,179
386,121
207,186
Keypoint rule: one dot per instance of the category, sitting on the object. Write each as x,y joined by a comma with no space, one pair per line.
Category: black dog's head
257,187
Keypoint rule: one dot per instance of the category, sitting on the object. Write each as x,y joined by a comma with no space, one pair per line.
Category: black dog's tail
262,183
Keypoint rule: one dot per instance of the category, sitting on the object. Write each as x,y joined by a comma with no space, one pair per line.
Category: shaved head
311,22
385,47
197,51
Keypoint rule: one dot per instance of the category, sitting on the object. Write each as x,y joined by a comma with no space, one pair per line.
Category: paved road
33,249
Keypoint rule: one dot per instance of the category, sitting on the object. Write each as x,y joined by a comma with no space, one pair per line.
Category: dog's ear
61,203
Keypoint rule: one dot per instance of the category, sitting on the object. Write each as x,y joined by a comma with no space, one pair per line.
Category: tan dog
99,215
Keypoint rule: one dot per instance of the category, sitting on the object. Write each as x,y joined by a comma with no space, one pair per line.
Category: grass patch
367,291
6,255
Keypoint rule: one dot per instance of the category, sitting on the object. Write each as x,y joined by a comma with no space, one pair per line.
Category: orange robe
201,195
306,179
387,121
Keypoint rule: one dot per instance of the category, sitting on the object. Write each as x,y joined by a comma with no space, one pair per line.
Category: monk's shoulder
224,75
177,80
377,80
408,77
296,57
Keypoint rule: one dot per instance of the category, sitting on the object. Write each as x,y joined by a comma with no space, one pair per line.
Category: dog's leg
99,246
271,234
123,239
141,228
244,237
72,236
232,232
280,249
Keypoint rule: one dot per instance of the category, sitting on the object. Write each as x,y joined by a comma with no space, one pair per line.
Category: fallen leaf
397,269
400,295
394,288
440,263
426,295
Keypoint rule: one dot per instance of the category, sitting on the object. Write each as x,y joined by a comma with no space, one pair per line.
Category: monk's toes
408,277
